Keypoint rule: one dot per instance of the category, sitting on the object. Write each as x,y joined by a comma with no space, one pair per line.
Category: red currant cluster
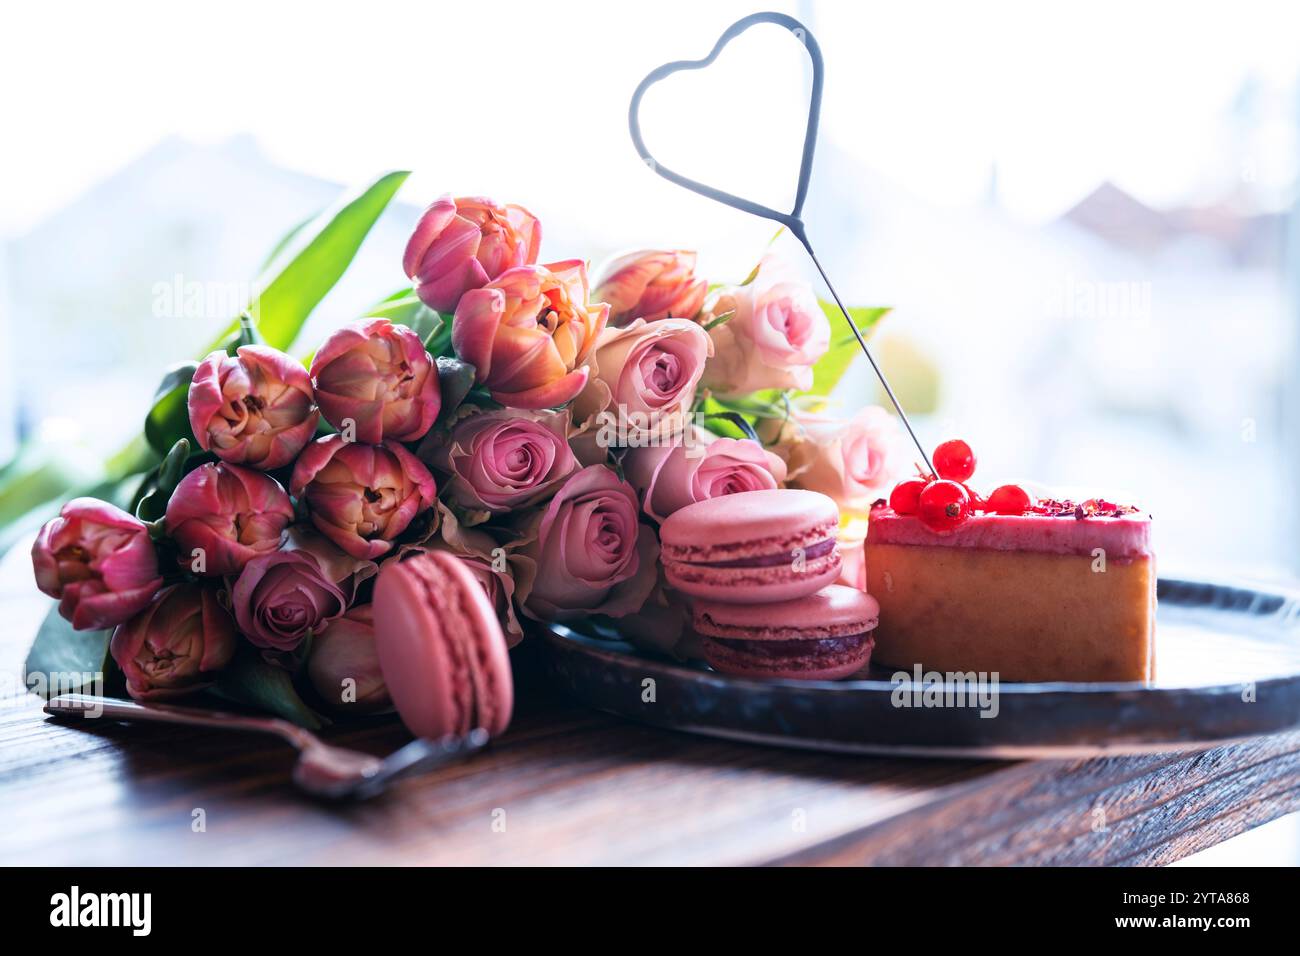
945,501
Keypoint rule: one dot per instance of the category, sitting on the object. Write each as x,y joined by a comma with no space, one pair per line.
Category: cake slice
1060,591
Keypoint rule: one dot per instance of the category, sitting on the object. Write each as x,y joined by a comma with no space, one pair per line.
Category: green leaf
40,472
250,680
455,380
169,419
309,263
738,421
405,308
248,333
830,368
153,504
286,240
718,320
769,403
64,661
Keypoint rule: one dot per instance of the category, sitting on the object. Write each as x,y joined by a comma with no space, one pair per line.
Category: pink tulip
362,496
254,408
378,376
776,332
282,597
528,332
462,244
590,552
646,375
344,665
226,515
503,460
176,644
651,284
672,477
98,561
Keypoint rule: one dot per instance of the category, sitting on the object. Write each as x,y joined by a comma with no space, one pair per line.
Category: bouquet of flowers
534,424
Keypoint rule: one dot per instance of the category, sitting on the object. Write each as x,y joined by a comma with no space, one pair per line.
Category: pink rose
462,244
647,373
852,540
528,332
176,644
226,515
674,476
337,566
344,665
499,586
502,460
254,408
590,553
379,376
98,561
361,496
853,461
776,333
489,564
282,597
651,284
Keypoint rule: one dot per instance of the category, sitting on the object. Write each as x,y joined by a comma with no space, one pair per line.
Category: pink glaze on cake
822,636
441,648
1123,536
752,547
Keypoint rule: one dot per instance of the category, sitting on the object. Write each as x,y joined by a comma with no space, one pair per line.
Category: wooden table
570,786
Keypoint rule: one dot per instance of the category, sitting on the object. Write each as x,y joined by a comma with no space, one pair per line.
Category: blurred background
1084,214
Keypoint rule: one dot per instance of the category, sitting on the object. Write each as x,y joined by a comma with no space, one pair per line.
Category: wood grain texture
577,787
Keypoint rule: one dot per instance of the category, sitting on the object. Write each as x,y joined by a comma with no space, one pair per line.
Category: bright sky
529,99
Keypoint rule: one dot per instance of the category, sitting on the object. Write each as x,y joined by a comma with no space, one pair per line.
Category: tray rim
1239,594
559,630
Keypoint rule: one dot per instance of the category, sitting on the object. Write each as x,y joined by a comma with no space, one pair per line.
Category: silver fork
322,770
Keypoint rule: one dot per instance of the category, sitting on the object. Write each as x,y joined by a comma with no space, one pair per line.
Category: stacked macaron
760,566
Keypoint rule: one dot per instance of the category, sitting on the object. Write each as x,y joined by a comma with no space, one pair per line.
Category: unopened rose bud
228,515
463,244
176,644
651,284
98,561
362,496
254,408
378,376
528,333
344,665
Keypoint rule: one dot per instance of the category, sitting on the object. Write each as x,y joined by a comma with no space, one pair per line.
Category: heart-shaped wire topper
793,219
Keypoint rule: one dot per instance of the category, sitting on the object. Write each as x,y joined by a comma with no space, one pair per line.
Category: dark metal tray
1227,663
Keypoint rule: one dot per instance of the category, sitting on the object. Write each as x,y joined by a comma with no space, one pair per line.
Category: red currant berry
903,499
954,460
977,501
1010,500
943,506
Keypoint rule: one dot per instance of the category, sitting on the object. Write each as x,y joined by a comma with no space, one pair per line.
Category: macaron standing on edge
753,547
441,648
822,636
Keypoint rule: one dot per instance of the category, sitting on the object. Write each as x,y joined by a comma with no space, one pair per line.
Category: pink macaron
752,547
441,648
823,636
